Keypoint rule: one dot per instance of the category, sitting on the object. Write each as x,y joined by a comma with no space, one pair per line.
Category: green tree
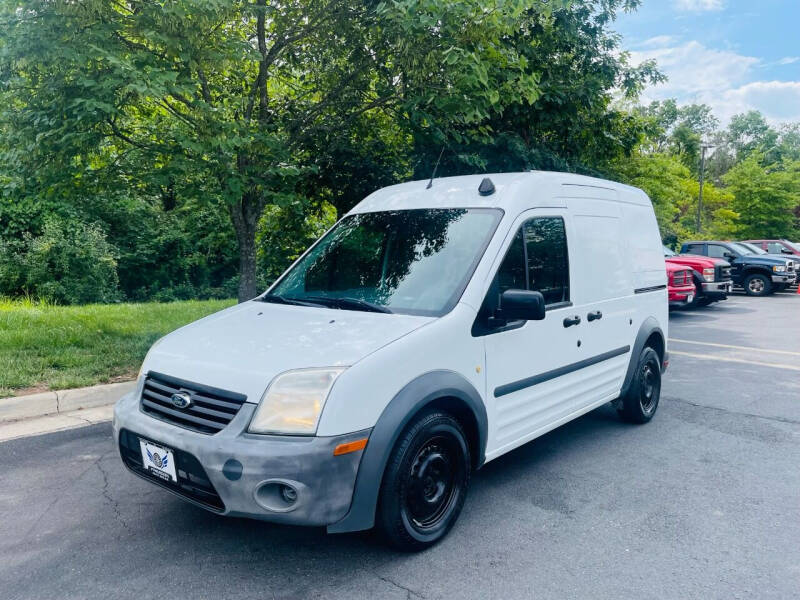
674,191
232,100
679,130
765,198
572,122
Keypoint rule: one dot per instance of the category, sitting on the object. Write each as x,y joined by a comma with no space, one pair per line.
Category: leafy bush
69,263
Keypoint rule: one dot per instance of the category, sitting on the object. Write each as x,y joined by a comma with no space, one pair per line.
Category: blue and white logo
181,400
157,460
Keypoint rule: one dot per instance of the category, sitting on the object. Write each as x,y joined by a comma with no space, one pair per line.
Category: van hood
241,349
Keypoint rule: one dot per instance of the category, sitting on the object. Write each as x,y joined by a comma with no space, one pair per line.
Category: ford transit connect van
431,330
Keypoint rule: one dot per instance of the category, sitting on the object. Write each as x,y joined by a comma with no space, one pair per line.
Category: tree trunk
245,215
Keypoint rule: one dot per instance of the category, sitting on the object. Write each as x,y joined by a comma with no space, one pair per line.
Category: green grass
58,347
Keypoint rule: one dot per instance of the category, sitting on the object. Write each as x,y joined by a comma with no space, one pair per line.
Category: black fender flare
648,328
756,270
414,396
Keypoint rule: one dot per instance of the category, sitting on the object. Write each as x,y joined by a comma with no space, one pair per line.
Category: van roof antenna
433,176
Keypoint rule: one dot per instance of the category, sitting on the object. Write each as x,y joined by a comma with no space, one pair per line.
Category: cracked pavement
704,502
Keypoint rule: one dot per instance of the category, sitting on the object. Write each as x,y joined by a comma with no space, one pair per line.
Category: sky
734,55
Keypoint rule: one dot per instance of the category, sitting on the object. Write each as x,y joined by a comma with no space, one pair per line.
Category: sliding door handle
570,321
594,316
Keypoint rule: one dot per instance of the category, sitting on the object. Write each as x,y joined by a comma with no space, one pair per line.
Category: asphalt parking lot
704,502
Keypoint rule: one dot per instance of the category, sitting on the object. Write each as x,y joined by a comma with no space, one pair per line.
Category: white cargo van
431,330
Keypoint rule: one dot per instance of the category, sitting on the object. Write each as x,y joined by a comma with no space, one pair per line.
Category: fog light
281,495
288,494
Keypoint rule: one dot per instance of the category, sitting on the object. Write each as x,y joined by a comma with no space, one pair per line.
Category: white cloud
699,5
659,40
692,67
789,60
720,78
778,100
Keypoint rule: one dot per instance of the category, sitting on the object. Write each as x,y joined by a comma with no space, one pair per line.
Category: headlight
708,274
293,402
779,269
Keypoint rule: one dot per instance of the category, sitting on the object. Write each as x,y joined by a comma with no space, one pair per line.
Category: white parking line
749,348
735,360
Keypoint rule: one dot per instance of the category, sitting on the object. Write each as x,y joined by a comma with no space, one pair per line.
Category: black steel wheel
425,483
640,403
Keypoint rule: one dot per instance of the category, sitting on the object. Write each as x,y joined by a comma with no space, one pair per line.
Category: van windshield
405,261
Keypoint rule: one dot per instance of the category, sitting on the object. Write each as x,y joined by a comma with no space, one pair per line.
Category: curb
18,408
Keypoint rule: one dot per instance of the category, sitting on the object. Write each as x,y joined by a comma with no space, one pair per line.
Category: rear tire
640,403
425,482
757,284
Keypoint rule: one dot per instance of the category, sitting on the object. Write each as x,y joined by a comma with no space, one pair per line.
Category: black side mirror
730,255
522,305
786,251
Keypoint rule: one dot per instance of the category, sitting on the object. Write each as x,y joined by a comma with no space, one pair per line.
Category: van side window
547,257
536,260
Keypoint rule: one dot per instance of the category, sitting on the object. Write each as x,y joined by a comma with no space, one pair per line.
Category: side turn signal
350,447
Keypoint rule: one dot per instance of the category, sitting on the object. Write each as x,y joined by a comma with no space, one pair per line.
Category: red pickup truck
679,285
710,276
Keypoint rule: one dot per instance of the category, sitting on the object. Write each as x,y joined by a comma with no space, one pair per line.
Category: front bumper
717,287
790,279
681,296
245,469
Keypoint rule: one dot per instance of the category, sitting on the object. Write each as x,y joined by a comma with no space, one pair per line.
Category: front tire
757,284
425,482
640,403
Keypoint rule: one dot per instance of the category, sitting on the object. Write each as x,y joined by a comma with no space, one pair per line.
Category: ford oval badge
181,400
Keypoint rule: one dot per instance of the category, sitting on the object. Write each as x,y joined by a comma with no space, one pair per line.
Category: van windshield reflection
403,261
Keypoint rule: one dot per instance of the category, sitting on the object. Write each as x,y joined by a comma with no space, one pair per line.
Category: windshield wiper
277,299
348,303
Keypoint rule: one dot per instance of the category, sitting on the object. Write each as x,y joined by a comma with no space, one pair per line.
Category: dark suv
759,275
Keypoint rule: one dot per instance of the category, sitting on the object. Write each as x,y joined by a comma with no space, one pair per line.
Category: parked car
429,332
711,276
793,262
778,247
680,285
758,275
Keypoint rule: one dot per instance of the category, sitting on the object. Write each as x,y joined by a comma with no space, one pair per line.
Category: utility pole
703,149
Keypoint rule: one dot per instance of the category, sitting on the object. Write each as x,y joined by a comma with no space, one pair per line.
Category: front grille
193,483
210,410
681,278
723,273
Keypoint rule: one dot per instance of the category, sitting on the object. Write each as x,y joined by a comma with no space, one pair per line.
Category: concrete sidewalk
22,416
